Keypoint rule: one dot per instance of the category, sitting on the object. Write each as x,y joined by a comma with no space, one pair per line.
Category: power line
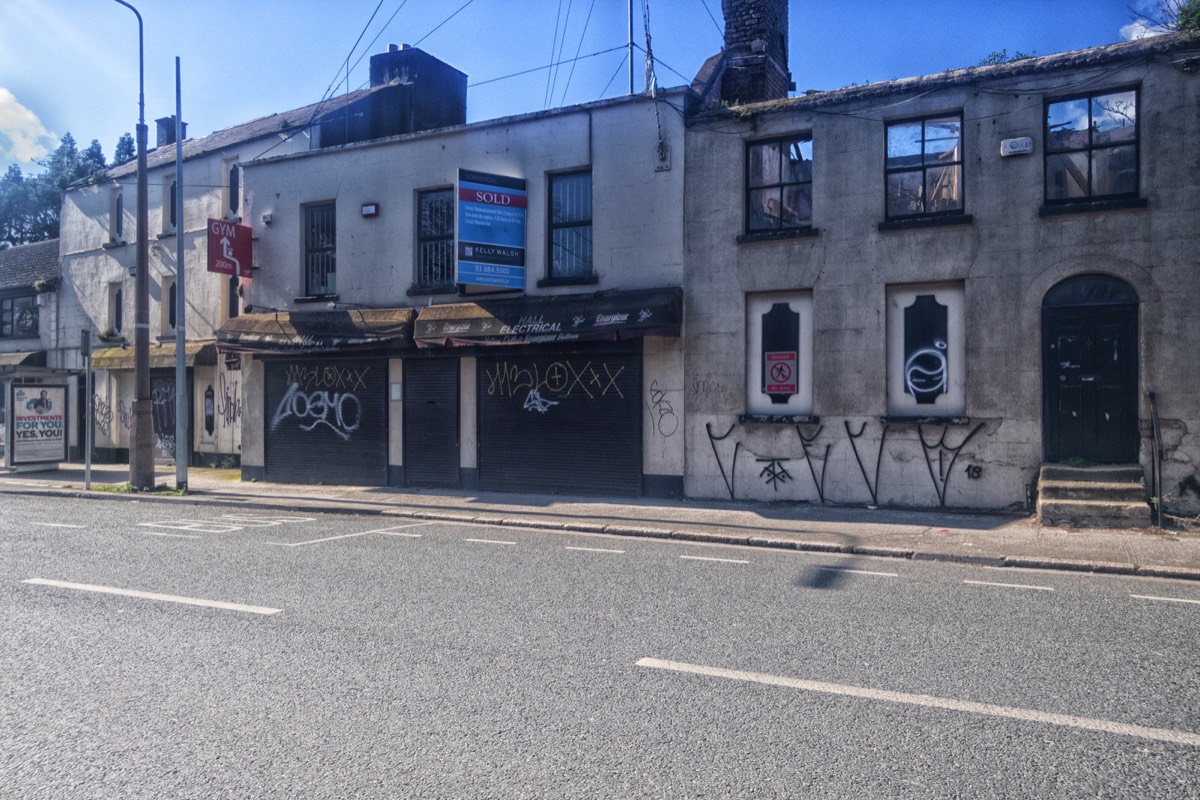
548,66
579,47
443,22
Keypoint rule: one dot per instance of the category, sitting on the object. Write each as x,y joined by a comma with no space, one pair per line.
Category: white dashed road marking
488,541
860,572
722,560
593,549
1011,585
166,598
1164,599
928,701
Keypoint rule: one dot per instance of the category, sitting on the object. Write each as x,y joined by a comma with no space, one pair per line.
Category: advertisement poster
37,431
490,231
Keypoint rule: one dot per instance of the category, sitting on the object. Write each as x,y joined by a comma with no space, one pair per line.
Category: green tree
29,206
14,207
126,150
1002,57
1174,15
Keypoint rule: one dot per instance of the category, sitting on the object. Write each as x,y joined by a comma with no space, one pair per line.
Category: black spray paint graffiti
873,488
775,473
230,405
126,414
341,412
805,442
942,479
666,423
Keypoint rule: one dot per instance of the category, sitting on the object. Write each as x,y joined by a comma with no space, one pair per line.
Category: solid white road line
58,525
387,531
319,541
166,598
722,560
593,549
1011,585
927,701
861,572
168,535
488,541
1164,599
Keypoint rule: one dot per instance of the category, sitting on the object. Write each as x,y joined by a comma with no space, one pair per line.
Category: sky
72,65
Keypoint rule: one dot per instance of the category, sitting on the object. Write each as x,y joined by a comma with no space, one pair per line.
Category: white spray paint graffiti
341,412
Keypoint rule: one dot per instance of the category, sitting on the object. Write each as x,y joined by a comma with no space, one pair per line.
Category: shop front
558,386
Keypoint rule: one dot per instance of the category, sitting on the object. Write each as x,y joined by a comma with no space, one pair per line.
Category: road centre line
861,572
928,701
1164,599
57,525
722,560
166,598
593,549
168,535
488,541
1011,585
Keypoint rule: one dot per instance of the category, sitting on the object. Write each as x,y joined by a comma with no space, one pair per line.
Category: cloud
23,138
1141,29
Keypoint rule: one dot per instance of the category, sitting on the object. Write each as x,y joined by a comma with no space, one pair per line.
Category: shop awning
35,358
162,356
601,316
317,331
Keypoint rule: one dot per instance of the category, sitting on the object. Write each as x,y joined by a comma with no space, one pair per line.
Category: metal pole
182,404
141,446
630,47
85,349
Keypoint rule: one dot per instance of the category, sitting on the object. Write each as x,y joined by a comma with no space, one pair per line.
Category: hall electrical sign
490,230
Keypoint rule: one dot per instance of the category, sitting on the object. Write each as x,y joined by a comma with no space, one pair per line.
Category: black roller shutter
567,423
326,421
431,423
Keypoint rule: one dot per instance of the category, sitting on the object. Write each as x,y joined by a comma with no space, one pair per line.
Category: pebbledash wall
445,406
1016,287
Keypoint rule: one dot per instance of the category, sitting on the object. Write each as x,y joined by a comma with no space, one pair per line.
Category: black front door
1090,374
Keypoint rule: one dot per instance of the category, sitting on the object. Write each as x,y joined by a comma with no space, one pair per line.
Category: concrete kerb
349,507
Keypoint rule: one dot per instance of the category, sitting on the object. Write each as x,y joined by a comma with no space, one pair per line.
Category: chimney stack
166,131
756,51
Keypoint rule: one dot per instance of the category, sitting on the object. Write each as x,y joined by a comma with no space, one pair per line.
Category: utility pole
141,445
182,400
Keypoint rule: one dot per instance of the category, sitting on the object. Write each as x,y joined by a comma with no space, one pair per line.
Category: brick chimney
756,51
166,131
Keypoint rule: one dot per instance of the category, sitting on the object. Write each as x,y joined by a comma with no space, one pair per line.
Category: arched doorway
1090,370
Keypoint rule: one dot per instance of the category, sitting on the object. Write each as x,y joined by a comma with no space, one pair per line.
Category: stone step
1116,473
1127,491
1094,513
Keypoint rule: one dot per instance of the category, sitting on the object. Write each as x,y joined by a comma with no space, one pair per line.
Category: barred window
320,249
570,226
435,242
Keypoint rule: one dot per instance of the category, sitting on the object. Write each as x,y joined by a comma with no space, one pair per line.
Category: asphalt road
283,655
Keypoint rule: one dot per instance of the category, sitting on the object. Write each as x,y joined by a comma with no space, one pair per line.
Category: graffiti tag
665,420
341,412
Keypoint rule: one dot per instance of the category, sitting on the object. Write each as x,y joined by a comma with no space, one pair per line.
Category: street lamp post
141,446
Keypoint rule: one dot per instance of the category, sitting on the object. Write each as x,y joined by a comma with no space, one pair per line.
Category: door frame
1102,296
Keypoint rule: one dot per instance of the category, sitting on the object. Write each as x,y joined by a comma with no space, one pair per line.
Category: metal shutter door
431,423
568,423
326,421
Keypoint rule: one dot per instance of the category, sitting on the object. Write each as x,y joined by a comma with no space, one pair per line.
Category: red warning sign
781,372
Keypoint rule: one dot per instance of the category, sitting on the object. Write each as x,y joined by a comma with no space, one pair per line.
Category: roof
285,123
1137,50
26,264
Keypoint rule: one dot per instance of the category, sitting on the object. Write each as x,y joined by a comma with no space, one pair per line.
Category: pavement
992,539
